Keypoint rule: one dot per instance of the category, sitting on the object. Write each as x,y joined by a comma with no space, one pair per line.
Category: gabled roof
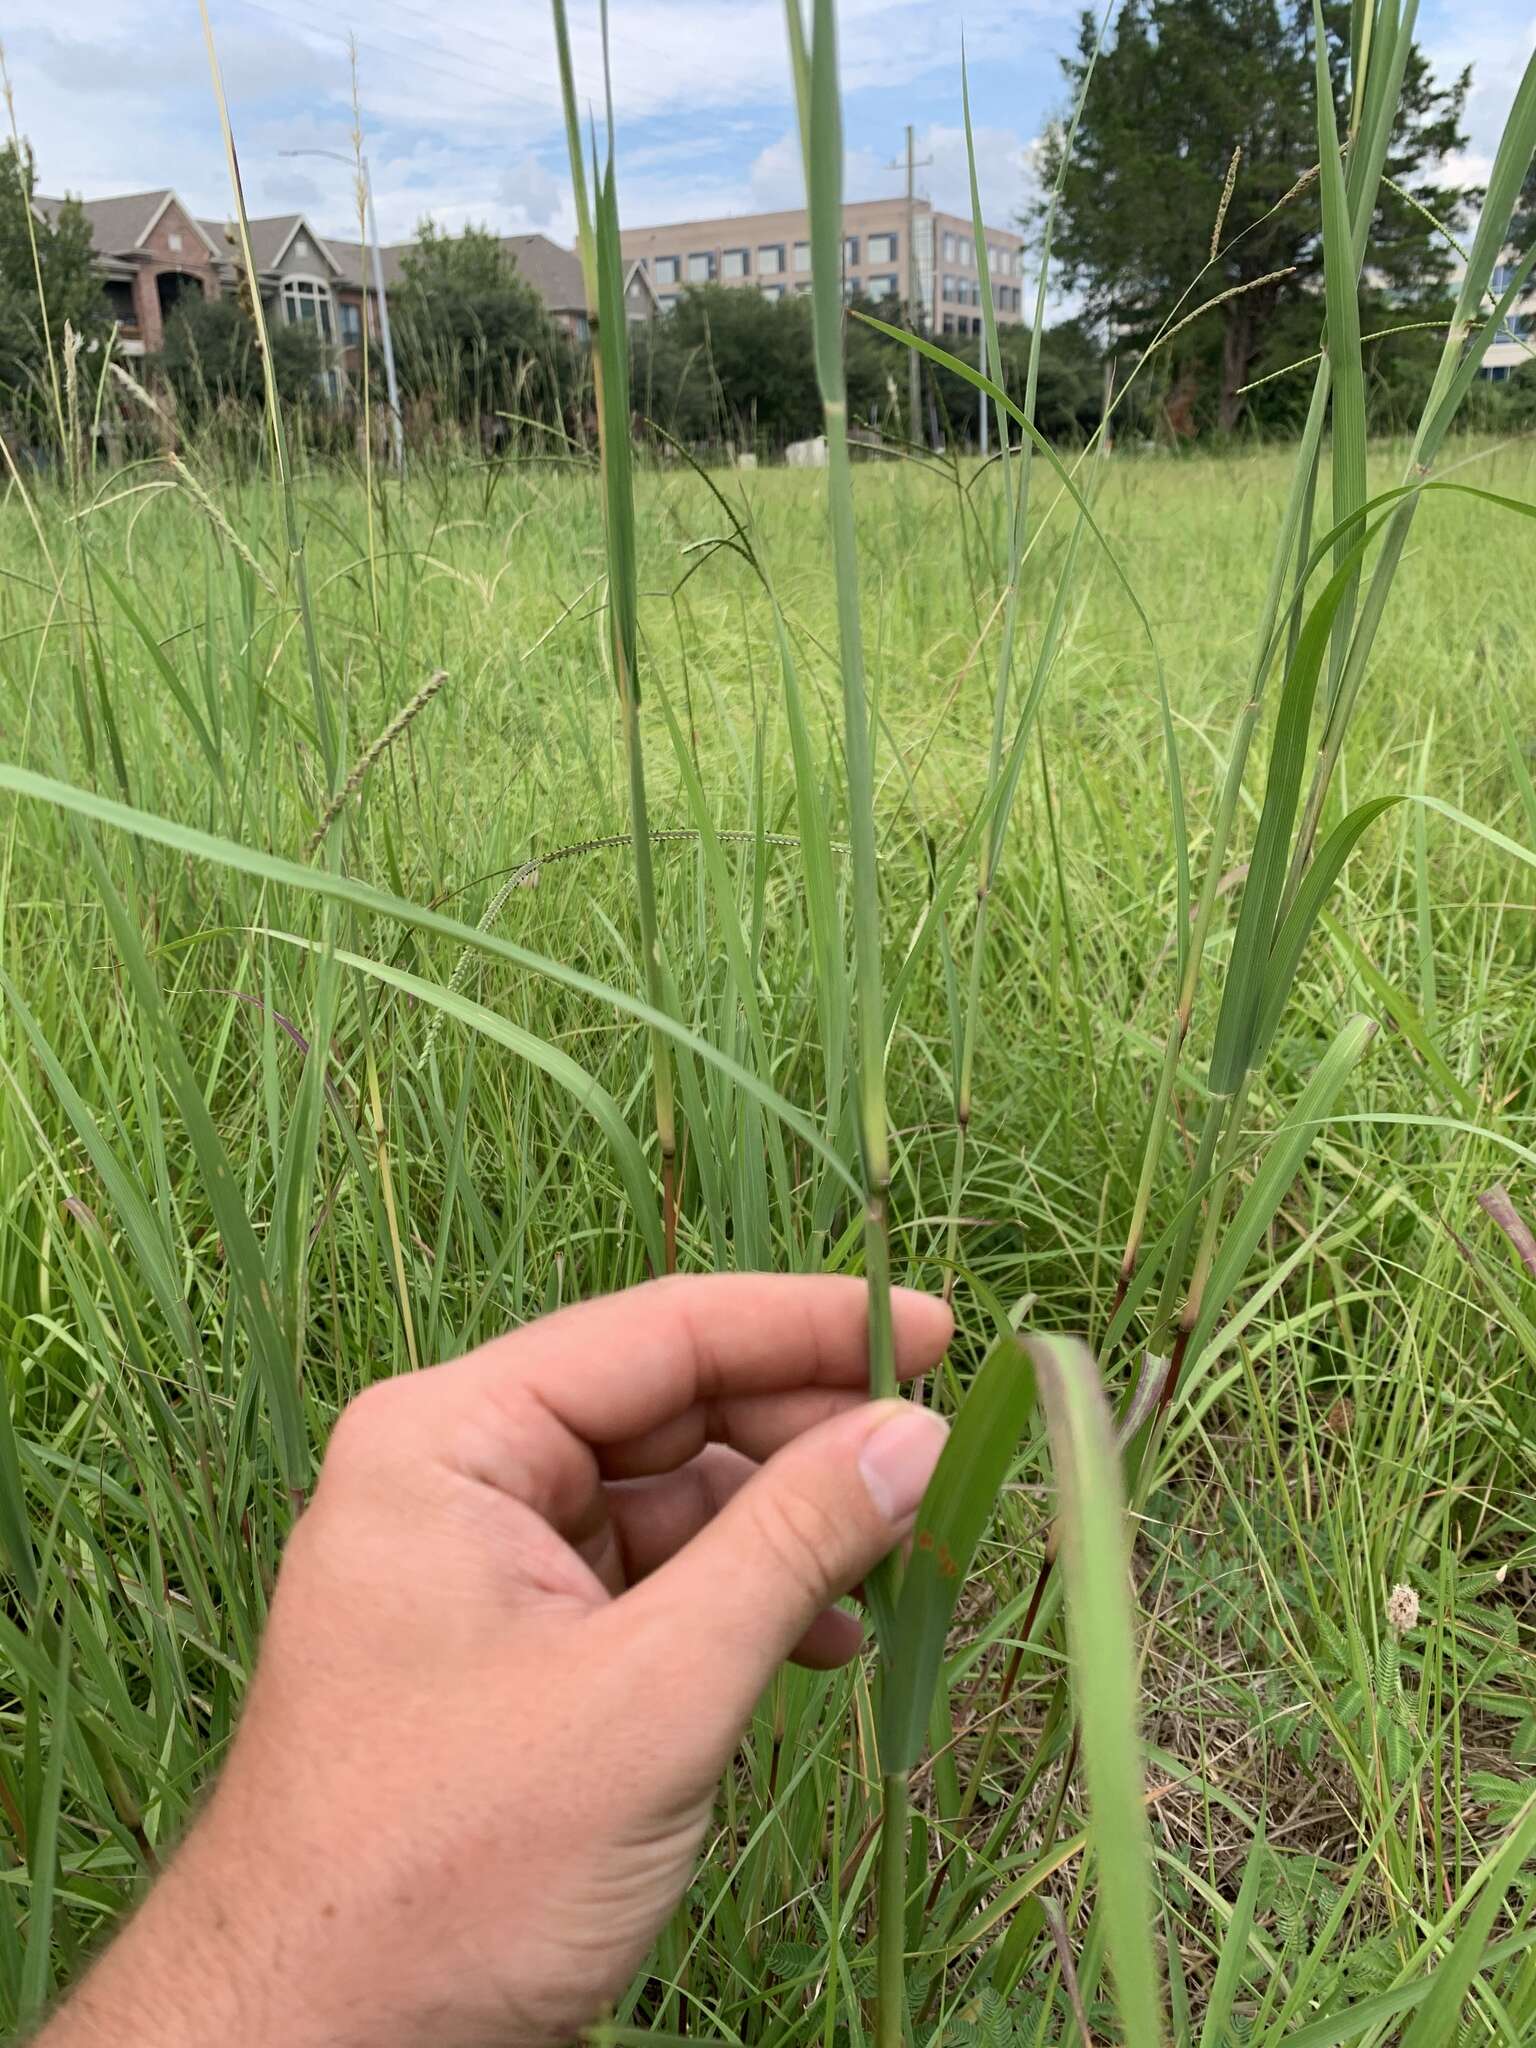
354,262
122,224
271,236
554,273
638,274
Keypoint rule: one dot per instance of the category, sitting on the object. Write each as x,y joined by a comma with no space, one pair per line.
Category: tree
1069,395
1183,84
211,354
471,335
71,289
733,365
729,365
1522,229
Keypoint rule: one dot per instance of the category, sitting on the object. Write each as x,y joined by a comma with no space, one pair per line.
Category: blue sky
461,109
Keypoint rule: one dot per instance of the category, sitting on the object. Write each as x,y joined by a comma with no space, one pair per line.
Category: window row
1002,262
966,291
773,259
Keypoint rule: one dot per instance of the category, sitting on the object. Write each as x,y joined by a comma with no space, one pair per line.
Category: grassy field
197,1212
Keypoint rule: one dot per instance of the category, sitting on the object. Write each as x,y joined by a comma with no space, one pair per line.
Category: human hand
514,1642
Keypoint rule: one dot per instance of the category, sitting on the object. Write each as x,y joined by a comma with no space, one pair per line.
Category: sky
461,110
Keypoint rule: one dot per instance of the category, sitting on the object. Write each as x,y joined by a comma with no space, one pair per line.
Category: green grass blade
43,1848
1215,2028
1243,992
373,901
824,159
1438,2018
1279,972
1368,2014
586,241
1095,1559
960,1501
584,1088
274,1364
1342,291
1282,1161
989,388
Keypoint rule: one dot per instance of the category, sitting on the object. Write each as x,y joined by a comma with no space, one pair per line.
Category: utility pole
915,303
391,382
985,444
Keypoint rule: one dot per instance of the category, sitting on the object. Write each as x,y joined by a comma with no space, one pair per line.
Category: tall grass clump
597,226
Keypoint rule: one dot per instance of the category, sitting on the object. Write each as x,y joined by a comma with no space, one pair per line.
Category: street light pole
396,425
392,383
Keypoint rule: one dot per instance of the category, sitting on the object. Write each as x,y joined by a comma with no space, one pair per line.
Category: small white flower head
1402,1609
1501,1574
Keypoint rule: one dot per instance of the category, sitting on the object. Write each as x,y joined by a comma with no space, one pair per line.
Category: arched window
307,302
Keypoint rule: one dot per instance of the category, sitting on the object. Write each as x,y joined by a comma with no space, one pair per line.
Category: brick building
152,251
771,253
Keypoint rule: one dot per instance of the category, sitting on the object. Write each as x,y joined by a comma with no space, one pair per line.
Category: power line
618,42
491,82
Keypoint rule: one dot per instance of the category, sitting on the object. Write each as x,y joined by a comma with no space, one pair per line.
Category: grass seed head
1402,1609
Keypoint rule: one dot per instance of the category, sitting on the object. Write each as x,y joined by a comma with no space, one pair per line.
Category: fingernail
897,1462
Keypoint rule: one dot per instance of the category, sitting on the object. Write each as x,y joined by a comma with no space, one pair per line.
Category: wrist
209,1958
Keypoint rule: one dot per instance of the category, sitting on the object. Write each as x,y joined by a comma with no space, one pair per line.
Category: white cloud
1498,51
462,113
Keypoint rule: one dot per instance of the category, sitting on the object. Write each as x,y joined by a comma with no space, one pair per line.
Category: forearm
200,1965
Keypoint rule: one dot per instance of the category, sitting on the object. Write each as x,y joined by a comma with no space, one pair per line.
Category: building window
951,248
947,287
802,256
967,253
771,291
350,315
1502,274
770,260
949,323
802,291
882,248
880,288
851,251
701,267
307,303
666,300
733,263
666,270
173,241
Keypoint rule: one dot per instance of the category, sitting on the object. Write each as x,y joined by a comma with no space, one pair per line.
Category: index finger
621,1365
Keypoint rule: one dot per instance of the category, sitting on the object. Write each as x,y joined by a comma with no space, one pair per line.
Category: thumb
822,1512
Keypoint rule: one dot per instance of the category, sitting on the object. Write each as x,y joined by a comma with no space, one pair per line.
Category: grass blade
1095,1558
960,1501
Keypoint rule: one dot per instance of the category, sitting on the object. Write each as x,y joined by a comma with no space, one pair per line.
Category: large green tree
729,365
1178,88
471,335
71,289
